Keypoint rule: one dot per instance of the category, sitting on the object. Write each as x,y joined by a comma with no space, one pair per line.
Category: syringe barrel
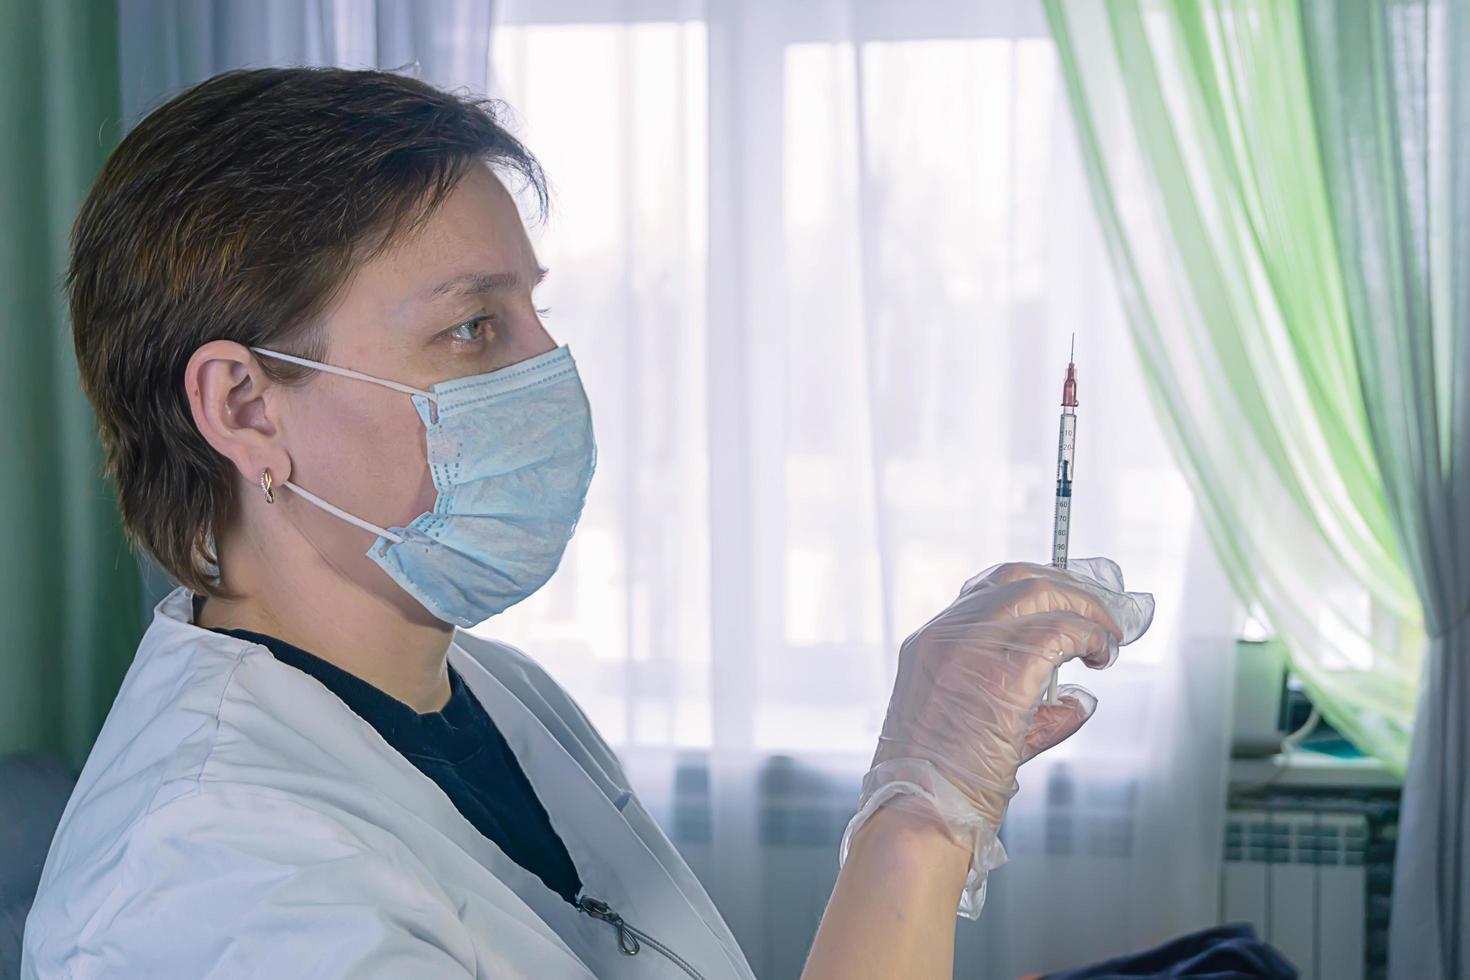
1066,456
1061,528
1066,450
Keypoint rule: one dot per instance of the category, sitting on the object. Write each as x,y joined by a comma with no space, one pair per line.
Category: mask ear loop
346,373
339,512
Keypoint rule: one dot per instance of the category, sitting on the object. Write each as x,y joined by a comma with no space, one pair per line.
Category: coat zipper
630,938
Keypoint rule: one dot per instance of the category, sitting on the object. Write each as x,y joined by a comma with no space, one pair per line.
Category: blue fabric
34,788
512,454
1228,952
459,748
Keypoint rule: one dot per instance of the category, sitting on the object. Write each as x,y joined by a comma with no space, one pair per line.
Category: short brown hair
236,211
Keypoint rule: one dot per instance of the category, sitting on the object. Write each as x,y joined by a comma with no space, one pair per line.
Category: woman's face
452,301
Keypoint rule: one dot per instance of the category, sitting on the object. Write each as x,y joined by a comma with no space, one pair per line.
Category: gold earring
265,485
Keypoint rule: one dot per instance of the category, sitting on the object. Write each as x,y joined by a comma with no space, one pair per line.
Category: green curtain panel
1196,124
1389,88
69,588
1286,190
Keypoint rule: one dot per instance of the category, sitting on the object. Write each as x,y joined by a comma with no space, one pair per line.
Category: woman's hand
966,706
965,713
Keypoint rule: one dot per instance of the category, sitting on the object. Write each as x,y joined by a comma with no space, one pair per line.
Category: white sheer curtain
820,263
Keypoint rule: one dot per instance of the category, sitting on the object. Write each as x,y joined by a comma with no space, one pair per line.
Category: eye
469,331
543,310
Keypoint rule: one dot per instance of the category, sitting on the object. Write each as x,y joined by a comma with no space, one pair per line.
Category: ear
232,401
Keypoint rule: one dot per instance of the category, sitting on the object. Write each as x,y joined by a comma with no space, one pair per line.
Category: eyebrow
476,283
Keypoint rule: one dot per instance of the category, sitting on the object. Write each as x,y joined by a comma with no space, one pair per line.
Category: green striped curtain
69,587
1197,127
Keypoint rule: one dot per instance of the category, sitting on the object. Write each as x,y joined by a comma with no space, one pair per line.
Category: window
821,280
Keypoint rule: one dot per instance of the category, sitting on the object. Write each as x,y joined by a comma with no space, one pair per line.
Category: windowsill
1307,769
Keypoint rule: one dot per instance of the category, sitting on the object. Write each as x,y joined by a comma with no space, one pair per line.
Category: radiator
1298,876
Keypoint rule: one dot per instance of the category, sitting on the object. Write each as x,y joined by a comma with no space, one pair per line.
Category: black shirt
459,748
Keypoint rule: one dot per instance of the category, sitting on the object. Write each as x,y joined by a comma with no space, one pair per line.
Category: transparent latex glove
966,708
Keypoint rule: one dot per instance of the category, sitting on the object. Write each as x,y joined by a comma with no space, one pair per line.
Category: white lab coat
235,819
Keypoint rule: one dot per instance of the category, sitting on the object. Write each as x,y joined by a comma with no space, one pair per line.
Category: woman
302,301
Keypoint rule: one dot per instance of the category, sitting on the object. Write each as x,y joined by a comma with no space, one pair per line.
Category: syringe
1066,457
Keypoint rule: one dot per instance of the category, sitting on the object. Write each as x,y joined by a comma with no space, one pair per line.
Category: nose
540,340
543,338
528,338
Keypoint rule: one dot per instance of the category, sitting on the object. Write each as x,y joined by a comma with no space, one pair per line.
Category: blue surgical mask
511,453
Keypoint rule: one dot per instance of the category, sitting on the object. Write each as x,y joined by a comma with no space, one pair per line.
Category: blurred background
821,262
